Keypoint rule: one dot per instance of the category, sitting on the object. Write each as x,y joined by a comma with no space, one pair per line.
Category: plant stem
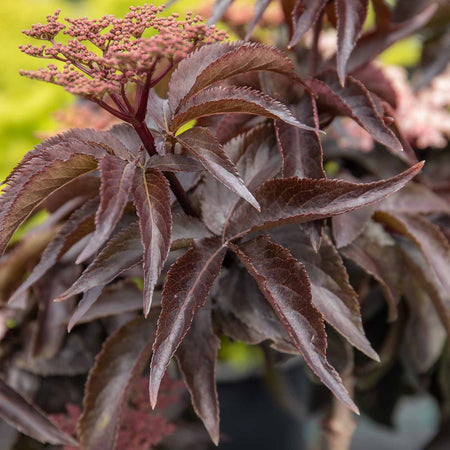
149,144
180,194
340,424
146,137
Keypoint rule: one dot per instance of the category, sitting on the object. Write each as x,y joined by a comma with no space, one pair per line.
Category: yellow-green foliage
27,106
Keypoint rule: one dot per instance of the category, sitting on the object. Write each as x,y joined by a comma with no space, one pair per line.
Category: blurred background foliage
27,107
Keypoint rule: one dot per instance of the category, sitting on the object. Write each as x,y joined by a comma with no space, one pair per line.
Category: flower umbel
102,56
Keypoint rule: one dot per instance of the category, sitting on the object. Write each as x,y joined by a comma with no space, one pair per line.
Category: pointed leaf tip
294,200
204,146
284,282
189,281
196,358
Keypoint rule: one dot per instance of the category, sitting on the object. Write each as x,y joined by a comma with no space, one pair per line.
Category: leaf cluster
232,222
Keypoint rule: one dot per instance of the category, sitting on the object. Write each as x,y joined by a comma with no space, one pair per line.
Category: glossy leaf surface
294,200
196,357
187,287
152,200
285,284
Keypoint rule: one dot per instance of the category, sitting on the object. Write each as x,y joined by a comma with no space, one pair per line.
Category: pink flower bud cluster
46,32
123,53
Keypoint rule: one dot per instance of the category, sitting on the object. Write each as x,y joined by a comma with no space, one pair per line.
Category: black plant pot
251,419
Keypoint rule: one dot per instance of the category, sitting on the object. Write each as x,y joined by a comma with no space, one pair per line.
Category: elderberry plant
213,191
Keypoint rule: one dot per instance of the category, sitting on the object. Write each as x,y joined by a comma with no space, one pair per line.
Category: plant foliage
213,185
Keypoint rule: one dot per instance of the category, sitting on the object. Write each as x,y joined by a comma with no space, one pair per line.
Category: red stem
143,91
110,109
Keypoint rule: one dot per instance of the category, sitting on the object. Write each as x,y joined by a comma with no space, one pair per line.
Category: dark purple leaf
186,228
175,163
257,160
288,7
228,99
62,146
87,186
152,200
117,299
156,120
428,285
204,146
219,9
313,230
89,298
15,264
301,149
294,200
74,358
51,324
354,101
427,236
129,139
435,58
372,44
285,284
376,253
196,357
383,14
123,251
116,180
22,415
302,155
188,284
24,193
231,125
406,9
310,11
235,328
260,9
347,227
375,80
248,316
332,293
351,15
123,356
415,198
101,142
424,333
213,63
79,224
